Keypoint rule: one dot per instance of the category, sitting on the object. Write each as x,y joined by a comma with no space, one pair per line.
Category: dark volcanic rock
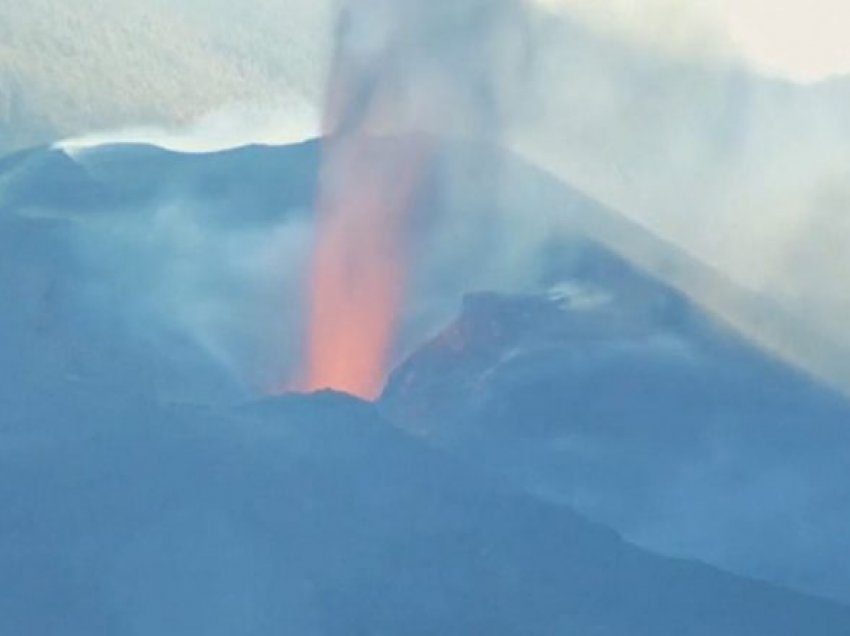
648,415
311,515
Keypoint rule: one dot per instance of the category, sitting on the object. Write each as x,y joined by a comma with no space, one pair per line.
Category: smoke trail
406,72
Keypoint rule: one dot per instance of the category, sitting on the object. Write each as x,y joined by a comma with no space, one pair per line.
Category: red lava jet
368,184
359,266
405,72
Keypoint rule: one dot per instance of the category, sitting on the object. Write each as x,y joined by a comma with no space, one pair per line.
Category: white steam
285,121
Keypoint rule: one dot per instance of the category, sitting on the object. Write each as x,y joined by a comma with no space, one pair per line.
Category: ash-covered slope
616,394
209,249
151,269
312,515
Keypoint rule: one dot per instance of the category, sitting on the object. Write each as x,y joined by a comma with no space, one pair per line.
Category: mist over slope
216,246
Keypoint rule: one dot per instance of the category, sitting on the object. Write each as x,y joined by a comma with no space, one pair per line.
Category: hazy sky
805,40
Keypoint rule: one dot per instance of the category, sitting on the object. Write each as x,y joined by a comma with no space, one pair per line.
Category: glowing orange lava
372,164
359,265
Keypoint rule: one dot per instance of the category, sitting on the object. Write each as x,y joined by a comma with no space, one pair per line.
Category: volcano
592,450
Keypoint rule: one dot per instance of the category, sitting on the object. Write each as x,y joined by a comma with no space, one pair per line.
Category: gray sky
804,40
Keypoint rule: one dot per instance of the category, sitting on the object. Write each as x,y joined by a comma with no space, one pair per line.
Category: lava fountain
367,188
359,265
405,71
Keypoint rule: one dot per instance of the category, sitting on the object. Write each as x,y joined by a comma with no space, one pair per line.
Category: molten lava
359,265
372,164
